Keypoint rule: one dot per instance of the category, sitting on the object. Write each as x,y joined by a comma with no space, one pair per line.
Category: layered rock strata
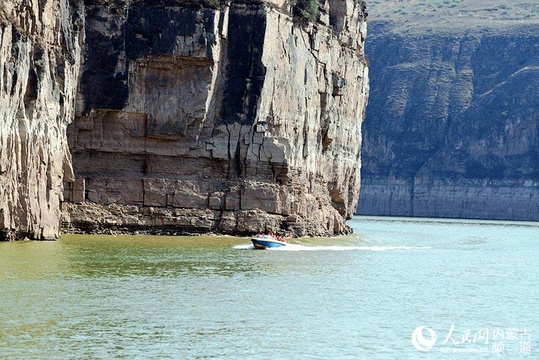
39,63
451,128
235,119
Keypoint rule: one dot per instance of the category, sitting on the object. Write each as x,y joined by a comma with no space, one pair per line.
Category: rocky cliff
451,128
232,117
39,64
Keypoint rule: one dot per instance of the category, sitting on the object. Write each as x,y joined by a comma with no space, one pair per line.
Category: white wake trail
299,247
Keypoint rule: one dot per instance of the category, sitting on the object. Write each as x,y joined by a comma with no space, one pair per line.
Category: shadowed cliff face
39,63
232,119
451,128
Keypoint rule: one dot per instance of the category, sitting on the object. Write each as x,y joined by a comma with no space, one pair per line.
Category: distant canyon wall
40,45
452,124
233,118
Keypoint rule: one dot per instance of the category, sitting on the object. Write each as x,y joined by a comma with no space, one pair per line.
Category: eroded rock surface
39,64
235,119
451,128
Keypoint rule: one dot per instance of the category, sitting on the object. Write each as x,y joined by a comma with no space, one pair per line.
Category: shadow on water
148,256
200,256
125,256
128,256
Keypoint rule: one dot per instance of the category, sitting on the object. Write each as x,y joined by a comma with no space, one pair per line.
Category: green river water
395,289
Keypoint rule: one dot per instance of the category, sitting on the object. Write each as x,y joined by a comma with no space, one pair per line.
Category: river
395,289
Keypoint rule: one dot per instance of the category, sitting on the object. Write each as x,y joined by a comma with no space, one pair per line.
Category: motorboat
265,241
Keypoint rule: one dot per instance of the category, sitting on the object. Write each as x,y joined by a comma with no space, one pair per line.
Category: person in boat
277,237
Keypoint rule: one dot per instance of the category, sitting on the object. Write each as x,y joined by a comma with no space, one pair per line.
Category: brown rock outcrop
39,64
236,120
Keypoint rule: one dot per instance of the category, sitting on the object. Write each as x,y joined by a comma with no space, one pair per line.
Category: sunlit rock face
234,118
39,64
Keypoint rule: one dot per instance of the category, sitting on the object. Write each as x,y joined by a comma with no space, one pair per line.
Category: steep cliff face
451,128
39,64
233,119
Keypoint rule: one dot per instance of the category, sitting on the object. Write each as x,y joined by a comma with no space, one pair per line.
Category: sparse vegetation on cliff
435,15
307,9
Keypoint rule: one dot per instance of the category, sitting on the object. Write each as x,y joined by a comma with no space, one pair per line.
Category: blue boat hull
267,243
